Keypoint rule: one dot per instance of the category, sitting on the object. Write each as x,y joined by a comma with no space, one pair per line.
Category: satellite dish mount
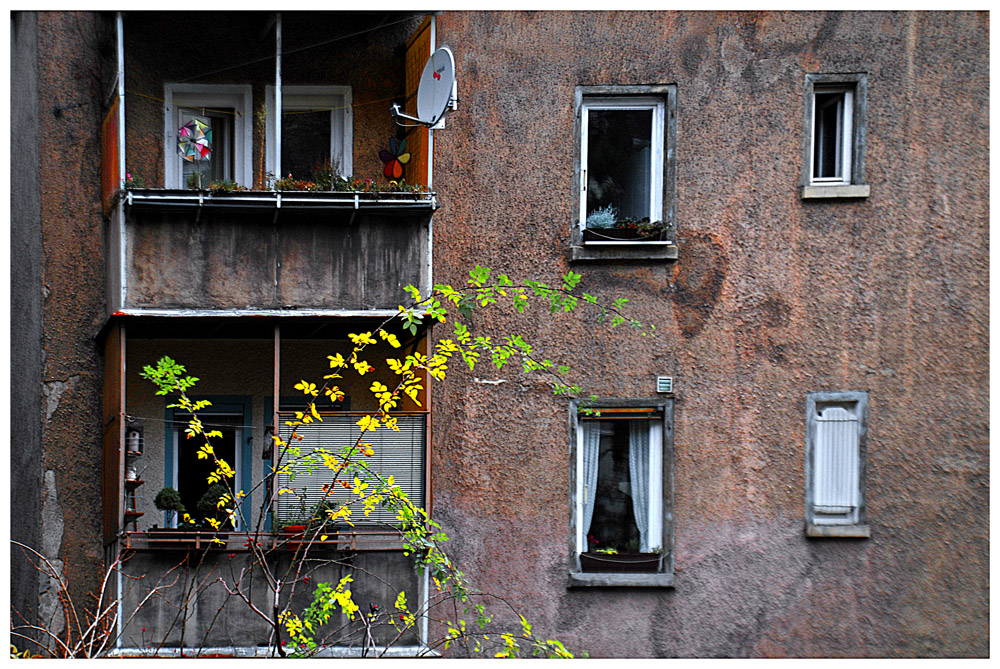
437,93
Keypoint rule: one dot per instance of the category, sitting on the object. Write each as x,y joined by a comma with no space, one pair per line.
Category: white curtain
638,467
591,453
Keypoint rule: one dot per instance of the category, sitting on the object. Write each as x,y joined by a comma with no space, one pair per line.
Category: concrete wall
26,303
214,618
772,297
299,261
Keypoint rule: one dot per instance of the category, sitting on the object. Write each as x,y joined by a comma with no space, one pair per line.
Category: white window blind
399,454
836,482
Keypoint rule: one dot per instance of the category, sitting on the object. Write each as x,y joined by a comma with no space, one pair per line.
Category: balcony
301,96
267,253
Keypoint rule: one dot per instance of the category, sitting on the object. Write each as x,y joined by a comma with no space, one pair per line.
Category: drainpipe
277,99
120,37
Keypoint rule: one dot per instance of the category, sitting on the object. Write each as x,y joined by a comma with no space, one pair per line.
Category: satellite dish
437,93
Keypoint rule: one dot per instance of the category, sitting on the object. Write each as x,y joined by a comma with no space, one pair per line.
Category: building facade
798,202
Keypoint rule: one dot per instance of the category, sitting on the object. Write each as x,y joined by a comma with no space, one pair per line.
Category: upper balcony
262,170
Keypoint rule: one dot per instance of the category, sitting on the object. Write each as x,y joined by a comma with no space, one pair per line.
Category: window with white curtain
836,424
400,454
622,492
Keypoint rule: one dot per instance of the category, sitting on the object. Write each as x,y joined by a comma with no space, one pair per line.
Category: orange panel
109,157
418,50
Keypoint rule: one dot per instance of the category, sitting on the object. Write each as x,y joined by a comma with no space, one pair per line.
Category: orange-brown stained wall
772,297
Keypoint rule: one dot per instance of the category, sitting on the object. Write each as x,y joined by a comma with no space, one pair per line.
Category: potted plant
309,525
168,499
208,504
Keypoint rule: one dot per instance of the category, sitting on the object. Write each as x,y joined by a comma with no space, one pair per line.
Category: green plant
225,186
291,183
194,181
605,217
208,504
607,551
168,499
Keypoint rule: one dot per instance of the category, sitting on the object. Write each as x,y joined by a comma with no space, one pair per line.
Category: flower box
628,234
621,562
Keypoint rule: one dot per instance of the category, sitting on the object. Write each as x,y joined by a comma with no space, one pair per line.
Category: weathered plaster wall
772,297
72,83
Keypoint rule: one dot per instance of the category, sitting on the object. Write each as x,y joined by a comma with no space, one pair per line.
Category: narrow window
836,425
223,110
832,124
191,472
833,141
316,132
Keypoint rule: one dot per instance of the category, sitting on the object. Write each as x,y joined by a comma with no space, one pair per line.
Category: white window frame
655,487
848,520
621,103
844,153
338,98
237,96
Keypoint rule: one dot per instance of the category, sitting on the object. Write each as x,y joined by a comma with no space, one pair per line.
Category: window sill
818,192
838,531
625,251
606,580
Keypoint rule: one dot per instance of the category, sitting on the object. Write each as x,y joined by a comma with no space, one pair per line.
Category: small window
834,142
316,131
832,116
626,166
224,110
622,509
836,424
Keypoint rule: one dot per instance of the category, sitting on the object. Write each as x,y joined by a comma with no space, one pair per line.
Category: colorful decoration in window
394,158
194,141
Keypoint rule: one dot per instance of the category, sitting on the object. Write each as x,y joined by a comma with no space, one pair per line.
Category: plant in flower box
610,559
603,225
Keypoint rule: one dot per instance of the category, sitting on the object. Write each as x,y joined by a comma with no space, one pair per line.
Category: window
834,138
626,169
622,501
836,424
399,454
225,110
188,474
316,129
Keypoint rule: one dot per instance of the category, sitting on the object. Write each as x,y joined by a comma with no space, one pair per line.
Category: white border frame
655,530
846,140
238,96
340,98
618,103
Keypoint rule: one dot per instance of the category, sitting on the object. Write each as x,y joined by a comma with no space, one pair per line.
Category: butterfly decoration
394,158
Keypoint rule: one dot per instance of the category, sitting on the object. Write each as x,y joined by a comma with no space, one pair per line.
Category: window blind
835,474
399,454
